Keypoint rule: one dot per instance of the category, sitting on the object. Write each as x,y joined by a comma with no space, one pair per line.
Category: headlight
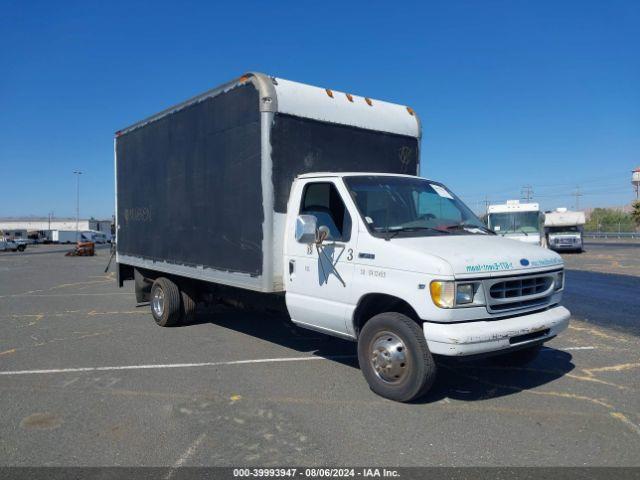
464,293
446,294
442,293
559,280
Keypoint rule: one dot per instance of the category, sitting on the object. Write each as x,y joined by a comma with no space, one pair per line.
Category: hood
474,255
531,238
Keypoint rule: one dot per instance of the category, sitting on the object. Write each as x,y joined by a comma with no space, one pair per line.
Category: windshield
411,207
515,222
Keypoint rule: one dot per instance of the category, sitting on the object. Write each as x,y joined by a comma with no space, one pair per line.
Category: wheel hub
157,302
389,357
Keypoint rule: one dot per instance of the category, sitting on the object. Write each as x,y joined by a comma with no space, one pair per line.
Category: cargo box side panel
189,186
302,145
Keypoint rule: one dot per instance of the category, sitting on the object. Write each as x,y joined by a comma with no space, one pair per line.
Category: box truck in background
563,230
307,199
64,236
517,221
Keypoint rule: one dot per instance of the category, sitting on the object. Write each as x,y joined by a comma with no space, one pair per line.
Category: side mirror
306,226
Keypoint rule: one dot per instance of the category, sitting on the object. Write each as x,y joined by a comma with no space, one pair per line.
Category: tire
21,248
394,357
165,302
517,358
189,304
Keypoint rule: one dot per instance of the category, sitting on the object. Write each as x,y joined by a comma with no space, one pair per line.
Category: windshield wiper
463,226
393,232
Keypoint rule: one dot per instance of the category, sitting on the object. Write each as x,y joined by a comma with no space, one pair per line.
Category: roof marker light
410,110
329,92
369,102
349,97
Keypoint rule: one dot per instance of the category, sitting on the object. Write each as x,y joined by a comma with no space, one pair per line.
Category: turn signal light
443,293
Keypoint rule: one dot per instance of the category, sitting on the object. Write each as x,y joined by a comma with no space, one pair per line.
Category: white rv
515,220
563,230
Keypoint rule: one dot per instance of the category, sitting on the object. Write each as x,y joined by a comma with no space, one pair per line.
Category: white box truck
277,192
71,236
64,236
563,230
517,221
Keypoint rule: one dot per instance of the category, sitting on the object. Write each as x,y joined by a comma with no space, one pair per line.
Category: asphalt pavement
88,379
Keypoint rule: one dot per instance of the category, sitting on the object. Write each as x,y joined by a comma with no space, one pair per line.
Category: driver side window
323,201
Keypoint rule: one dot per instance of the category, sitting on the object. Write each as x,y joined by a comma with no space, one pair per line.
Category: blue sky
510,93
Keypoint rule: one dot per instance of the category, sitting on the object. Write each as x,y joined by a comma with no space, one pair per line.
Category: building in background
40,228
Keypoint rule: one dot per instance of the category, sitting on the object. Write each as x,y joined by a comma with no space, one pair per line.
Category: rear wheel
21,248
165,302
518,358
394,357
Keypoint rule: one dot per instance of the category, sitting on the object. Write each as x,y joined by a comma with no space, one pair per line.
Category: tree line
612,220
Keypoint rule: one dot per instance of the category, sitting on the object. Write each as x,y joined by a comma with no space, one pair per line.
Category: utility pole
486,205
77,173
526,192
577,194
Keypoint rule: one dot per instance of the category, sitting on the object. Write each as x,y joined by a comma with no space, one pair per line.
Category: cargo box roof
306,101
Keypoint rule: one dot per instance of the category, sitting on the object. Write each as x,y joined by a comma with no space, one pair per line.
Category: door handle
292,267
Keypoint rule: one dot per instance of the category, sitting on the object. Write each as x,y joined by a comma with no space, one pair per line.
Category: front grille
501,307
522,287
512,293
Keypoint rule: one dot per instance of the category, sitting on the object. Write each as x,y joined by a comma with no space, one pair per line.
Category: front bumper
565,246
473,338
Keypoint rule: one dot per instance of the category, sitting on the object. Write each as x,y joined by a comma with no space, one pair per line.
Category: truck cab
360,245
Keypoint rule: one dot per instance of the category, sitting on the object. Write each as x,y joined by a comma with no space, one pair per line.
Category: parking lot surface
88,379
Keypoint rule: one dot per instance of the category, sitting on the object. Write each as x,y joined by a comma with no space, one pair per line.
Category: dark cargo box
202,188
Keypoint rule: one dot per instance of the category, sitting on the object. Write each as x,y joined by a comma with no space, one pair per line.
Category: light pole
77,173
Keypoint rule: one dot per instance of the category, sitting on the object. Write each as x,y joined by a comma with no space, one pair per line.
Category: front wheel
21,248
394,357
165,302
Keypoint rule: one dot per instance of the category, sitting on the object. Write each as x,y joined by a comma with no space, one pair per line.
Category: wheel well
374,303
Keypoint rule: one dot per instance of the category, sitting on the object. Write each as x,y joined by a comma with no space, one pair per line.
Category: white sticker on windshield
441,191
497,228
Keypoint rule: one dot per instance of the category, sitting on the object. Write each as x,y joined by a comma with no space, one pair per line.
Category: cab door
319,277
